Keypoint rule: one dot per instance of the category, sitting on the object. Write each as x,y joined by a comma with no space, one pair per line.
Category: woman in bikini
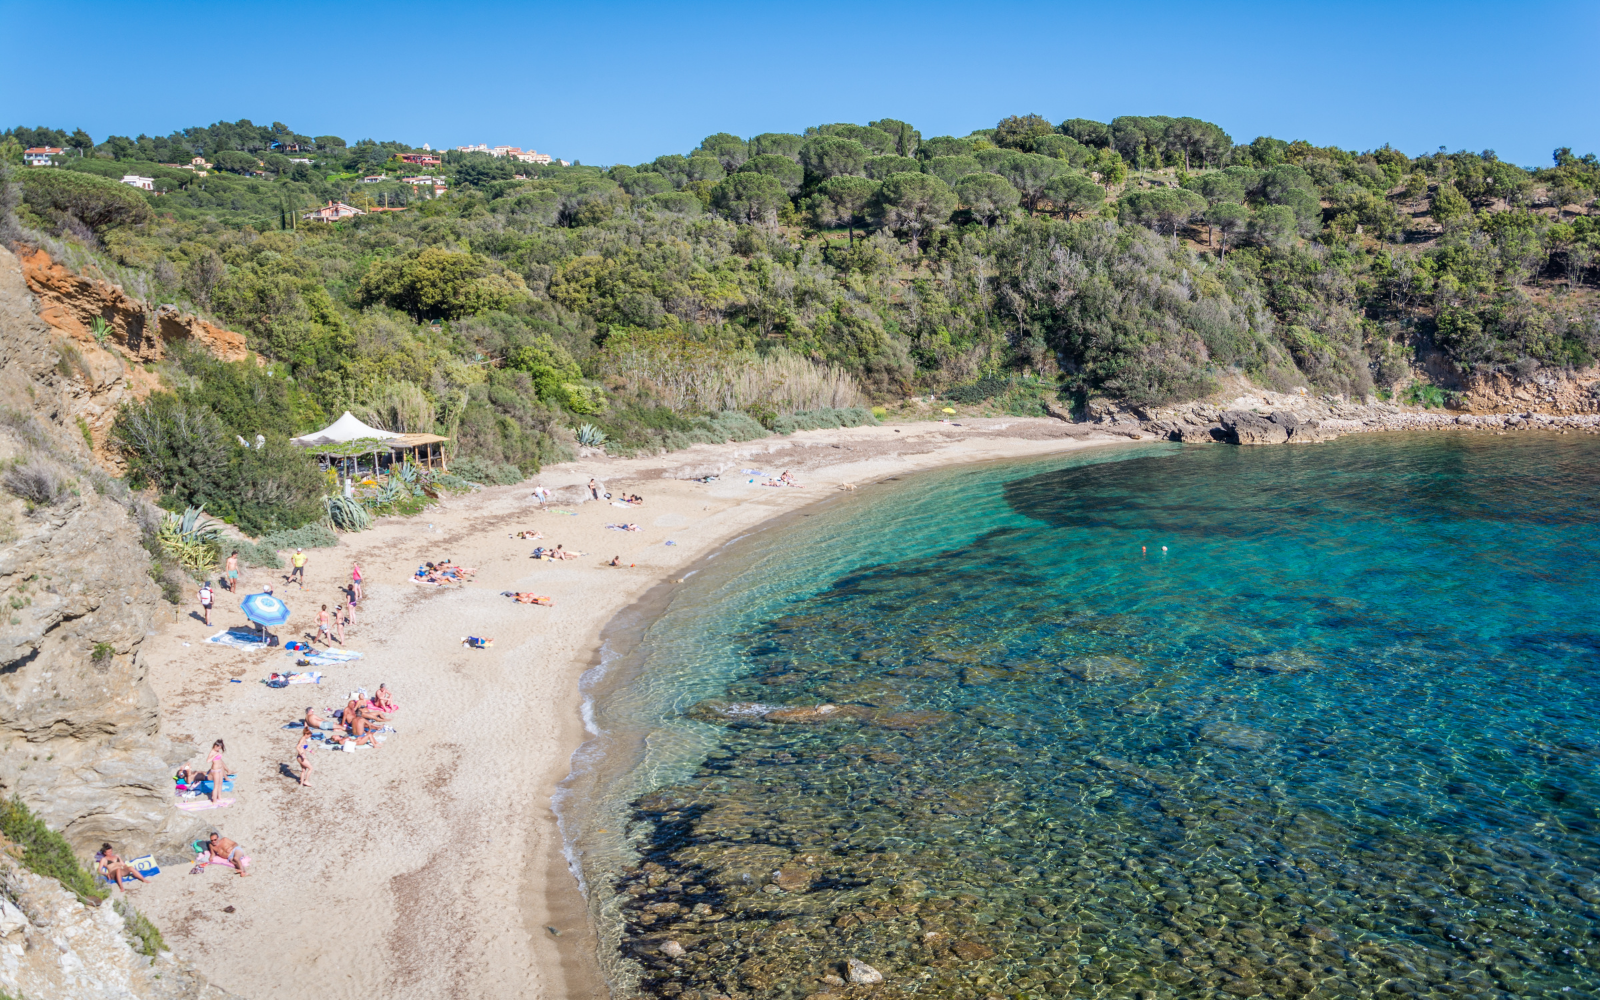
219,769
341,618
355,584
302,754
114,868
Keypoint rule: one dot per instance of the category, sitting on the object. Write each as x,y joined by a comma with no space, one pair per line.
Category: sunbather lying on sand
630,526
531,598
315,721
529,535
476,642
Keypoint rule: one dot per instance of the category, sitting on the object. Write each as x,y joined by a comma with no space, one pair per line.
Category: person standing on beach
302,753
298,572
594,488
217,769
205,601
355,584
324,626
230,573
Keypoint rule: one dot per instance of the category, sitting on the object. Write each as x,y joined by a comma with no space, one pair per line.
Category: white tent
342,431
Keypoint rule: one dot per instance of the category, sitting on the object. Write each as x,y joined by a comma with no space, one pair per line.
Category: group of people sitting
557,554
359,722
444,572
784,480
631,498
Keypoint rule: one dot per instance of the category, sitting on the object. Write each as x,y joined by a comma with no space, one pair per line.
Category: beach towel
239,639
327,657
146,866
429,583
622,503
754,472
197,805
284,680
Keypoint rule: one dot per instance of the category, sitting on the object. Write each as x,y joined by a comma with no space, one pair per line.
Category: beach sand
431,867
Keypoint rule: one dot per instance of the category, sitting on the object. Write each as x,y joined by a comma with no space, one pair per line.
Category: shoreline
401,854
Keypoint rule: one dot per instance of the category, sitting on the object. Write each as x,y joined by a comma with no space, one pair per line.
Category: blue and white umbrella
264,609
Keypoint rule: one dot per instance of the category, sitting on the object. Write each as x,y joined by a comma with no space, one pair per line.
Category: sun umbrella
264,609
948,410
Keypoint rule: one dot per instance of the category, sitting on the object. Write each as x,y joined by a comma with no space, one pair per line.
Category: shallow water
1337,738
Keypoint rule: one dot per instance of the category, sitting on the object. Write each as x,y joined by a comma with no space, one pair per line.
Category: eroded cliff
78,719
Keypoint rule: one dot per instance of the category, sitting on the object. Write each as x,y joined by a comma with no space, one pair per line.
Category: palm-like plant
347,514
191,540
591,436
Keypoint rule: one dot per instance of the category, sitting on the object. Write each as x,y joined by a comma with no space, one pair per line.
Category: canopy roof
343,431
415,440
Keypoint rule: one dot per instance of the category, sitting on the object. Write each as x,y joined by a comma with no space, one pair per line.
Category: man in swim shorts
230,573
223,849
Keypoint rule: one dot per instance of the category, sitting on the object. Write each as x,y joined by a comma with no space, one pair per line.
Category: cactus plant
591,436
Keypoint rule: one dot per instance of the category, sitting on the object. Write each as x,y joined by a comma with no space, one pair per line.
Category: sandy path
431,867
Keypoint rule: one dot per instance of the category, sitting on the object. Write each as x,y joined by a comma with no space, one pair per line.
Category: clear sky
625,82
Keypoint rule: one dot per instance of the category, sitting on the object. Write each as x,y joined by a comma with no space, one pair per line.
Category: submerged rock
1235,736
1104,668
1290,661
861,973
817,714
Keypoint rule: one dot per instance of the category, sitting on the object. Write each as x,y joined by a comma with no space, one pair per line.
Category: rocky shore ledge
1264,417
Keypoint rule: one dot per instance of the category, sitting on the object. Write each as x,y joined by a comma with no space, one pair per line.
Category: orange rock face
70,302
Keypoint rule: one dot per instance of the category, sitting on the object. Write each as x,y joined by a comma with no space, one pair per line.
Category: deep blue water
1337,738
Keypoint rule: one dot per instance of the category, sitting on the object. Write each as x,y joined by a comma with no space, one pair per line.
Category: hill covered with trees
750,278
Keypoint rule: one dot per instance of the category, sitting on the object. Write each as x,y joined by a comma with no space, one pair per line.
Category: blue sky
625,82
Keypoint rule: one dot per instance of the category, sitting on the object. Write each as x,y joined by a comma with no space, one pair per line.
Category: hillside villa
41,156
333,211
142,183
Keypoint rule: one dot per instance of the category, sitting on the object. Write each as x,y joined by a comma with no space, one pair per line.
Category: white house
143,183
374,179
41,156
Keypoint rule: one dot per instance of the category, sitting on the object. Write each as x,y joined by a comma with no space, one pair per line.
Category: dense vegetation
1143,258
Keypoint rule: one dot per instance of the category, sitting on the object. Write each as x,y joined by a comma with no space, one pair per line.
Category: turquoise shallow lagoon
1151,722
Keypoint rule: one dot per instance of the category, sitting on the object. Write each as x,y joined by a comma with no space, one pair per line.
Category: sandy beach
431,866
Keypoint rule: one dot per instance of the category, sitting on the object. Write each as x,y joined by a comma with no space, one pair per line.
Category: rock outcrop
1567,402
52,945
99,375
78,719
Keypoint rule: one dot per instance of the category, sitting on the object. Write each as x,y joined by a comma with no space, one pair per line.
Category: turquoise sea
1152,721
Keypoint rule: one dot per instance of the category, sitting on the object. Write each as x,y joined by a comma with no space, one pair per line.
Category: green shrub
258,554
308,536
486,471
1420,394
45,852
823,419
142,934
636,429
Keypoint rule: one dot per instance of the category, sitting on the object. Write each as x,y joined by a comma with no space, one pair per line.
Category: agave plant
101,330
191,540
591,436
347,514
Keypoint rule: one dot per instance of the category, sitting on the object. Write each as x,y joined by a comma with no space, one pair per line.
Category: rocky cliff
52,945
102,372
78,719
